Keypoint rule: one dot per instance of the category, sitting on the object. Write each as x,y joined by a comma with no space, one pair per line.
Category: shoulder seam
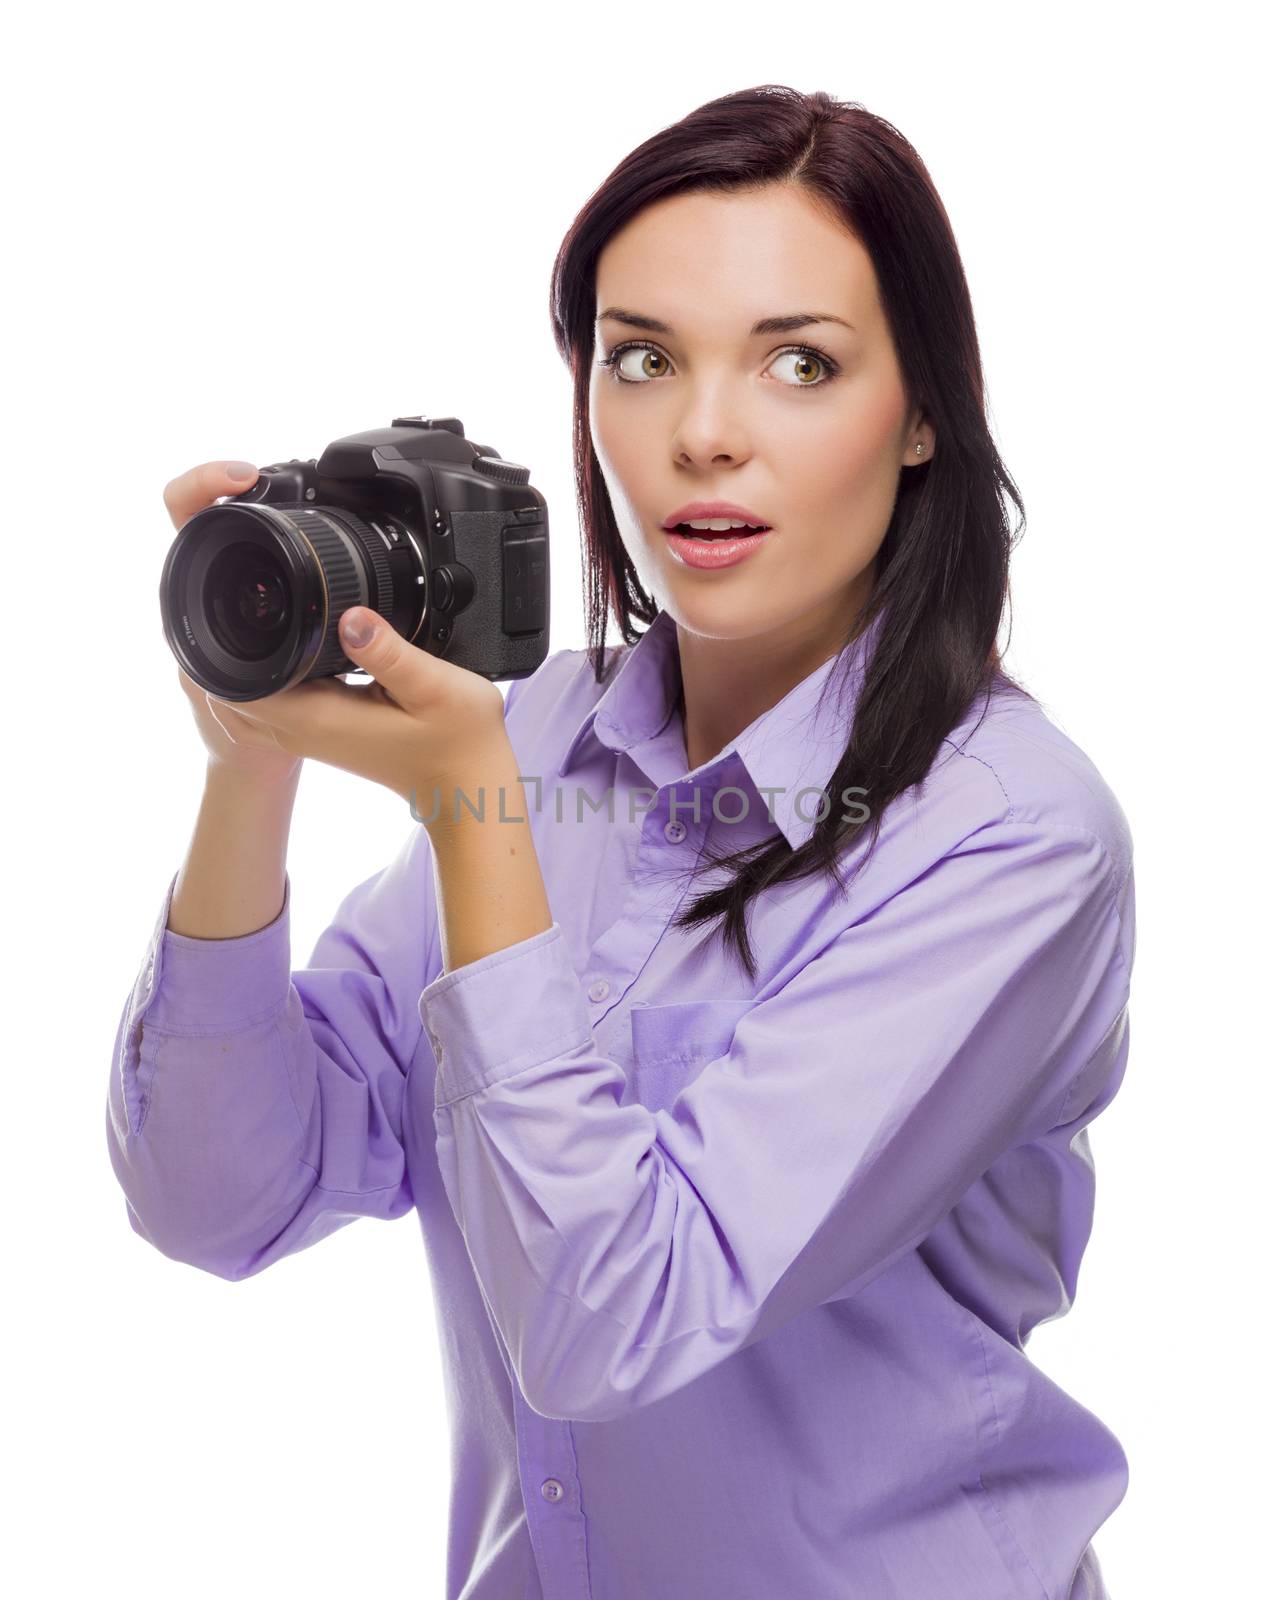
968,756
1068,827
1118,882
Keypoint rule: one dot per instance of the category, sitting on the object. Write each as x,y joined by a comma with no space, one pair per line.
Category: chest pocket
672,1043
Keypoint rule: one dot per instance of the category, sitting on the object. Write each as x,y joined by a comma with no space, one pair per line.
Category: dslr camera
442,537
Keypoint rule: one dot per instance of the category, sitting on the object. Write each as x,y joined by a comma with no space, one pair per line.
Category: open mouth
687,532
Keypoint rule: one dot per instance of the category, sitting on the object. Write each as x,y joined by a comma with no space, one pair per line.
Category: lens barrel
252,595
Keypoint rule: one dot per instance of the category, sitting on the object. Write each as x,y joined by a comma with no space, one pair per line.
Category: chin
712,616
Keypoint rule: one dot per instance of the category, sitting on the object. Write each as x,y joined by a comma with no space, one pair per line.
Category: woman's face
705,410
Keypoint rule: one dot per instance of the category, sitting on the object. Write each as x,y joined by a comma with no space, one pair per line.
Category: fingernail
357,632
240,470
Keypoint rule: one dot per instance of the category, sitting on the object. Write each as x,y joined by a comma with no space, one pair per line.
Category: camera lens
246,591
252,594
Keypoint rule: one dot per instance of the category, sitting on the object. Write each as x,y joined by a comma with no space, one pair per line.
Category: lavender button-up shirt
733,1279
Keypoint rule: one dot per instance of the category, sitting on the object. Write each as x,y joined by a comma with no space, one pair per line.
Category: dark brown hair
942,569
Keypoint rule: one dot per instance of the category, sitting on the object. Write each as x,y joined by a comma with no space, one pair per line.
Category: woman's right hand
232,742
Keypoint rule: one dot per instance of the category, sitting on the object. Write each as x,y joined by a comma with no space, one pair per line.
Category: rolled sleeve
512,1009
254,1110
189,985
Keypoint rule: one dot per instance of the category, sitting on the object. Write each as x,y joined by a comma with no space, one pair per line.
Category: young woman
738,1049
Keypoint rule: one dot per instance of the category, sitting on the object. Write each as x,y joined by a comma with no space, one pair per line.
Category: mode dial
500,470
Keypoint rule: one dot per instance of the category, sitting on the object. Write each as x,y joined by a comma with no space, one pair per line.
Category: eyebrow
787,324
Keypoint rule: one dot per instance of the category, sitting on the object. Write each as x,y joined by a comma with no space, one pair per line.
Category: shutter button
674,832
599,989
551,1489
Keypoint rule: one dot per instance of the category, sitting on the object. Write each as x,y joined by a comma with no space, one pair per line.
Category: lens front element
247,601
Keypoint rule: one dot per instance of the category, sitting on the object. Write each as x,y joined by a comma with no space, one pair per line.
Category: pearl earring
918,449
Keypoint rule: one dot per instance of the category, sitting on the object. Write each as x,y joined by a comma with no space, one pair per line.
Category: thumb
376,647
407,676
360,631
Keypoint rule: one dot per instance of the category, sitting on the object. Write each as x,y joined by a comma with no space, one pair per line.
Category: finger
240,728
220,722
404,673
302,704
203,485
310,719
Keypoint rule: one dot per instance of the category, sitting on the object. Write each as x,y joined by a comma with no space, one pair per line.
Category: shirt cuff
512,1009
207,986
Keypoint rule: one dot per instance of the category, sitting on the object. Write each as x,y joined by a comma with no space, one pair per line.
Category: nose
710,430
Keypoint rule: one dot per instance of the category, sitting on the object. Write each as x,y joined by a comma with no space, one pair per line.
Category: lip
709,555
698,510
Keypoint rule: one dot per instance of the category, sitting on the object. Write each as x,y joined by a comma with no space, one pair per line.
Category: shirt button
599,989
150,972
674,832
551,1489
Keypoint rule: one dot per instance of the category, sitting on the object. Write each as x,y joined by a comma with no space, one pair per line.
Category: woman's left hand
424,722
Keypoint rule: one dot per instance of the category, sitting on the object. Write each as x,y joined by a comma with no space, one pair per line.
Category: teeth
717,524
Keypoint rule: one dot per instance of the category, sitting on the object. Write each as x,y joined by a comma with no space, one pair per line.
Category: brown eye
652,365
806,362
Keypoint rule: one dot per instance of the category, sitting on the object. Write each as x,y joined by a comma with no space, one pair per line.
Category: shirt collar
792,748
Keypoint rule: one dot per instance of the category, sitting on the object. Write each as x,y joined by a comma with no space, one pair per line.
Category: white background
244,232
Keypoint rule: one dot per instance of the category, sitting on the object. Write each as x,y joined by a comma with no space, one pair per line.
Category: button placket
558,1531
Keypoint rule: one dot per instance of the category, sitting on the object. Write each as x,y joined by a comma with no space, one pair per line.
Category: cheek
847,446
623,448
622,453
614,444
597,423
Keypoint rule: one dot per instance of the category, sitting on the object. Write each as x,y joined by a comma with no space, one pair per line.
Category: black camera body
442,537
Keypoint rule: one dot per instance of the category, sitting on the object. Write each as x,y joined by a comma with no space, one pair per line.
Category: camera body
442,537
